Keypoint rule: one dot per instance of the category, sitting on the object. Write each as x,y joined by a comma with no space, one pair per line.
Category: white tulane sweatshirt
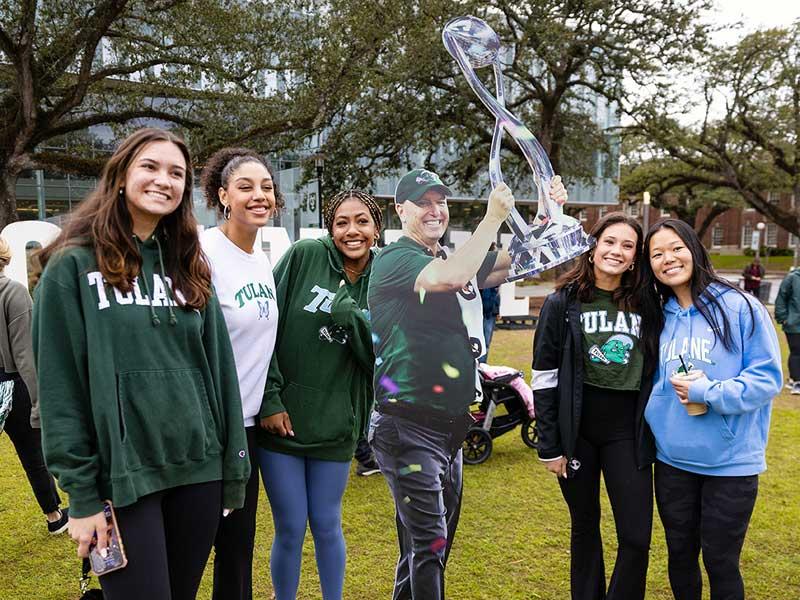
246,291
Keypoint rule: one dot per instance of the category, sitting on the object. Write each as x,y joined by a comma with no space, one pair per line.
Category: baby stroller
504,388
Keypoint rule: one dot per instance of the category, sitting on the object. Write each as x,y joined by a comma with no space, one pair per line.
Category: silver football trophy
555,237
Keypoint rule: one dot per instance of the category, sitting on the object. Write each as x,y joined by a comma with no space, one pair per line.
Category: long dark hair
653,294
581,276
103,222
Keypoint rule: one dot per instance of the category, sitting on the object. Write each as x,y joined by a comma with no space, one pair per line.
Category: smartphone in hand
115,558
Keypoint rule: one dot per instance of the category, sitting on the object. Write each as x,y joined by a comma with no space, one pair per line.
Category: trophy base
555,245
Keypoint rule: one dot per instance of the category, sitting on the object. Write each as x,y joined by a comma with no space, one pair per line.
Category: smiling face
671,260
425,221
251,195
354,231
154,183
615,251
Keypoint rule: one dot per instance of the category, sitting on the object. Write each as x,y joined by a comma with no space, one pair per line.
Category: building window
633,210
665,213
792,240
747,235
603,211
583,215
772,235
717,236
773,197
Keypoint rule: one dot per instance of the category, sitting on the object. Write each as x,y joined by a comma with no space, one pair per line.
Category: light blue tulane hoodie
738,388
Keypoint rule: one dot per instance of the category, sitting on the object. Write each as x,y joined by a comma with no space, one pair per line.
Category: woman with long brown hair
138,390
590,397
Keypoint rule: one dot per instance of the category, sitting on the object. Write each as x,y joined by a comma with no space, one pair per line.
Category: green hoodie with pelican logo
137,394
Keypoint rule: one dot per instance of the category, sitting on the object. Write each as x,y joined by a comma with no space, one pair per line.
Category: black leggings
233,546
167,537
794,355
712,513
630,490
27,442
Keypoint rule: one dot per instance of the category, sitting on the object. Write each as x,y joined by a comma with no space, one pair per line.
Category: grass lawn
734,262
512,542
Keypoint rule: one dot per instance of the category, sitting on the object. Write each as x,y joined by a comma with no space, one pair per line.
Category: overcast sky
754,14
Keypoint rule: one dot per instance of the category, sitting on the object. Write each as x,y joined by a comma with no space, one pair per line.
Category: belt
426,416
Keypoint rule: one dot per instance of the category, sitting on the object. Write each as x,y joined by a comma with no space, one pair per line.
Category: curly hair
103,222
333,204
222,164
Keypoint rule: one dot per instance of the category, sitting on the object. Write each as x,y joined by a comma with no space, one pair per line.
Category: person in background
138,392
787,314
753,274
319,393
490,297
240,185
716,363
590,395
16,367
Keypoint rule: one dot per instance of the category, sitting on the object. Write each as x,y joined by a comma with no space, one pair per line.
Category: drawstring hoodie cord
173,320
153,316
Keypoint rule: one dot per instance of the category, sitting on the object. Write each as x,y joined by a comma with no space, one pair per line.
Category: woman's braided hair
333,204
221,165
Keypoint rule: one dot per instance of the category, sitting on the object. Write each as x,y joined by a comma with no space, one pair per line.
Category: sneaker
368,467
795,389
59,526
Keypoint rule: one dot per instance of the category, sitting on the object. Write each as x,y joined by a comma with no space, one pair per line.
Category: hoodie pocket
165,417
318,417
703,441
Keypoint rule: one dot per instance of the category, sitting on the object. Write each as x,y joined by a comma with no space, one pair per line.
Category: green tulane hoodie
321,370
136,393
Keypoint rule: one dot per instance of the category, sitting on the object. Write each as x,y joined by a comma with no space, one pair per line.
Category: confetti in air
410,469
437,389
450,370
378,361
406,500
422,293
375,339
438,544
390,386
392,400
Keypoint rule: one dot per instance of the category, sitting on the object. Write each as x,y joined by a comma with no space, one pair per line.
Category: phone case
115,557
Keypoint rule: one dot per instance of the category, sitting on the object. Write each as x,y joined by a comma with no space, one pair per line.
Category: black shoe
59,526
368,467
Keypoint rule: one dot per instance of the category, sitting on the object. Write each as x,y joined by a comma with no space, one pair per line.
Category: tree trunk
8,197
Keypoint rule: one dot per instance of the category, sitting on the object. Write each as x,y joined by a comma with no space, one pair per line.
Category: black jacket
558,382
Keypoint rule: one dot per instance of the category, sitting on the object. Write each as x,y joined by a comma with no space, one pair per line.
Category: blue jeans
305,491
423,469
488,331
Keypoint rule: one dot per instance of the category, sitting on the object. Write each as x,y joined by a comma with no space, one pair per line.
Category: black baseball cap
413,185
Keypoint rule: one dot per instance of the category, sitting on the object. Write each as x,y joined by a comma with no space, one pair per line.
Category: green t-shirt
612,356
423,353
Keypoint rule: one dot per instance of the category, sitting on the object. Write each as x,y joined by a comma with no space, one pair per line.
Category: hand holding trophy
555,237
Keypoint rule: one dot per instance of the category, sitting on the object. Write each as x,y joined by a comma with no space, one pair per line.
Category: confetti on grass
390,386
450,371
410,469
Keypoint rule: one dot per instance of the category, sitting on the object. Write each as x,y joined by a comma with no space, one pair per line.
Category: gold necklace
353,271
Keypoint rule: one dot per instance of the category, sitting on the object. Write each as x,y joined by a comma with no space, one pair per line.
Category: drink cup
693,409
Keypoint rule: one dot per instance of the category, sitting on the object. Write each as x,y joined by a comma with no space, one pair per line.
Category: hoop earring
226,212
591,259
633,264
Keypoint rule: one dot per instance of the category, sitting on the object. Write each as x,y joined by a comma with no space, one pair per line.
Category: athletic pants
606,446
423,468
233,546
27,442
794,355
708,513
167,537
305,491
